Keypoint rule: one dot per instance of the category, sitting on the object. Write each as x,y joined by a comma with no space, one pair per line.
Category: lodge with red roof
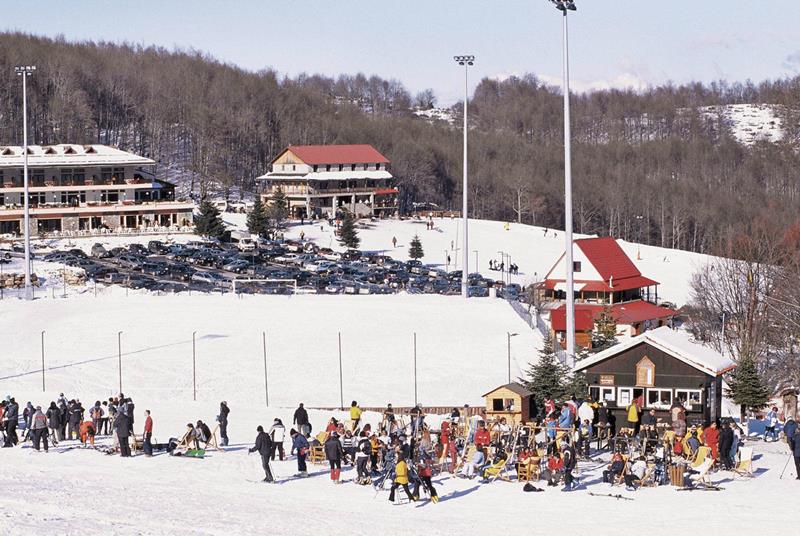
319,180
604,276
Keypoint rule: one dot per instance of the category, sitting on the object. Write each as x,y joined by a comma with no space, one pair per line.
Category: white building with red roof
604,276
321,179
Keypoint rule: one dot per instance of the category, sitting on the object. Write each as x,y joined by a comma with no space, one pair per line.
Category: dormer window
50,150
378,167
69,150
88,149
645,373
7,151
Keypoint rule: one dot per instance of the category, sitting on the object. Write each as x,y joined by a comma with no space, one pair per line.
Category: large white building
321,179
85,188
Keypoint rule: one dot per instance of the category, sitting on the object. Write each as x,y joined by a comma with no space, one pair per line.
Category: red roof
624,313
602,286
608,258
337,154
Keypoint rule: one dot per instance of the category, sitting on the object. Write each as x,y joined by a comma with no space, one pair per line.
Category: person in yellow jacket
633,417
400,478
355,414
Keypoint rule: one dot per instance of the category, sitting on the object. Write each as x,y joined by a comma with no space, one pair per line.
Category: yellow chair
700,457
496,470
744,466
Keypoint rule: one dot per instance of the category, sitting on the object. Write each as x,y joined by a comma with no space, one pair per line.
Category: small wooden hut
511,401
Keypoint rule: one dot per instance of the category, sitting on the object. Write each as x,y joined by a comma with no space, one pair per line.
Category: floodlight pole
509,334
25,71
466,61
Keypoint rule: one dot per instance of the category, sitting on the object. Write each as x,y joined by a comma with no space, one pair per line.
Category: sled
195,453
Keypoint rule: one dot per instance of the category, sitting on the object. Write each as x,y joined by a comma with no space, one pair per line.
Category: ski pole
785,466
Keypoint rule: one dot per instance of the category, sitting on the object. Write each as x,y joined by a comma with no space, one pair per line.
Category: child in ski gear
425,472
263,446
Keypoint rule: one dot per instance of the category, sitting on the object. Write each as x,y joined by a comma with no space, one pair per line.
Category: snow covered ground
748,123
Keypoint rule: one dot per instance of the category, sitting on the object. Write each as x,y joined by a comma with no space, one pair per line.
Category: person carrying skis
334,454
263,446
300,447
222,419
400,479
301,420
277,432
425,472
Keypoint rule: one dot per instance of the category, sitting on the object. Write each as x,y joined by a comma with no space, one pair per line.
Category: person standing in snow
400,479
96,414
263,446
772,424
363,453
301,420
11,417
39,428
122,427
222,418
394,241
334,454
54,422
355,414
725,443
300,446
277,434
147,435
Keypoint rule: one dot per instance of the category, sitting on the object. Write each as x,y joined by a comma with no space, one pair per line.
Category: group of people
501,267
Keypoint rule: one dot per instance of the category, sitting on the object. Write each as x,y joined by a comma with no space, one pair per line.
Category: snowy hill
748,123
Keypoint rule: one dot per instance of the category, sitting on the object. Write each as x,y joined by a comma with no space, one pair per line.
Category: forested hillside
659,167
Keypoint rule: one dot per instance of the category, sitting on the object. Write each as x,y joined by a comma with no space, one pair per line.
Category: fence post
266,385
415,368
194,367
341,389
43,361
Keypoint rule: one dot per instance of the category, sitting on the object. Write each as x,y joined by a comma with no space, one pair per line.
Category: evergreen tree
746,388
415,251
257,220
605,330
576,385
209,222
547,377
278,209
348,236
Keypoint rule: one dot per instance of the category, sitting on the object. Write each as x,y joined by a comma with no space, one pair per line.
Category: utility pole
466,62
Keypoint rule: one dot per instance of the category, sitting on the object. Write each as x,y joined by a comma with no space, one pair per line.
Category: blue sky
613,43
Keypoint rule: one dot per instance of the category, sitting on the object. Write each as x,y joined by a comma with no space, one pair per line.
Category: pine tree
278,209
547,377
605,330
257,220
746,388
415,251
576,385
209,222
348,236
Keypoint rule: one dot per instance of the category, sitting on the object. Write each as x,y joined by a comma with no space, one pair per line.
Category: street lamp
509,334
466,62
25,71
564,6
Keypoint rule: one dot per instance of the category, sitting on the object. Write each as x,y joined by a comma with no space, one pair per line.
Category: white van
243,240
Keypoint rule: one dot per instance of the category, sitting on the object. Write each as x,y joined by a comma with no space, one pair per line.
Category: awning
575,286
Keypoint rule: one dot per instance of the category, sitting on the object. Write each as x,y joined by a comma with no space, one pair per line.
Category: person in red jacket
482,436
147,446
711,439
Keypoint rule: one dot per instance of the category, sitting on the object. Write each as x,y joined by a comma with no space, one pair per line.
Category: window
341,167
689,396
576,266
294,167
497,404
378,167
659,398
315,168
328,167
352,167
645,372
624,396
602,393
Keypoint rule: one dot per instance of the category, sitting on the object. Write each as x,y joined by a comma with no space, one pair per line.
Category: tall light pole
25,71
565,6
466,61
509,353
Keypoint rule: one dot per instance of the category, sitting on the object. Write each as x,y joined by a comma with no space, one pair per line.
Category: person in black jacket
301,420
264,447
222,418
725,444
568,455
334,452
54,423
11,417
123,427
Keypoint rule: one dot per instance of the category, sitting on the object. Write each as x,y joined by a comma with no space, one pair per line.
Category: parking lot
269,267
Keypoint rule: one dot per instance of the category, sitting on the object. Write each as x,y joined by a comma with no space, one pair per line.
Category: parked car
157,247
154,268
237,265
210,278
114,278
99,251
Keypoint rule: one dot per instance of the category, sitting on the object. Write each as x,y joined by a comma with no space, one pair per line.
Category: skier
301,420
355,414
39,428
222,418
363,454
394,241
300,446
568,455
147,435
122,428
96,414
277,432
334,454
264,447
425,472
54,422
11,416
400,479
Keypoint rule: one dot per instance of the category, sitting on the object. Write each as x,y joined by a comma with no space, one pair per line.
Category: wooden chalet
511,401
658,367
